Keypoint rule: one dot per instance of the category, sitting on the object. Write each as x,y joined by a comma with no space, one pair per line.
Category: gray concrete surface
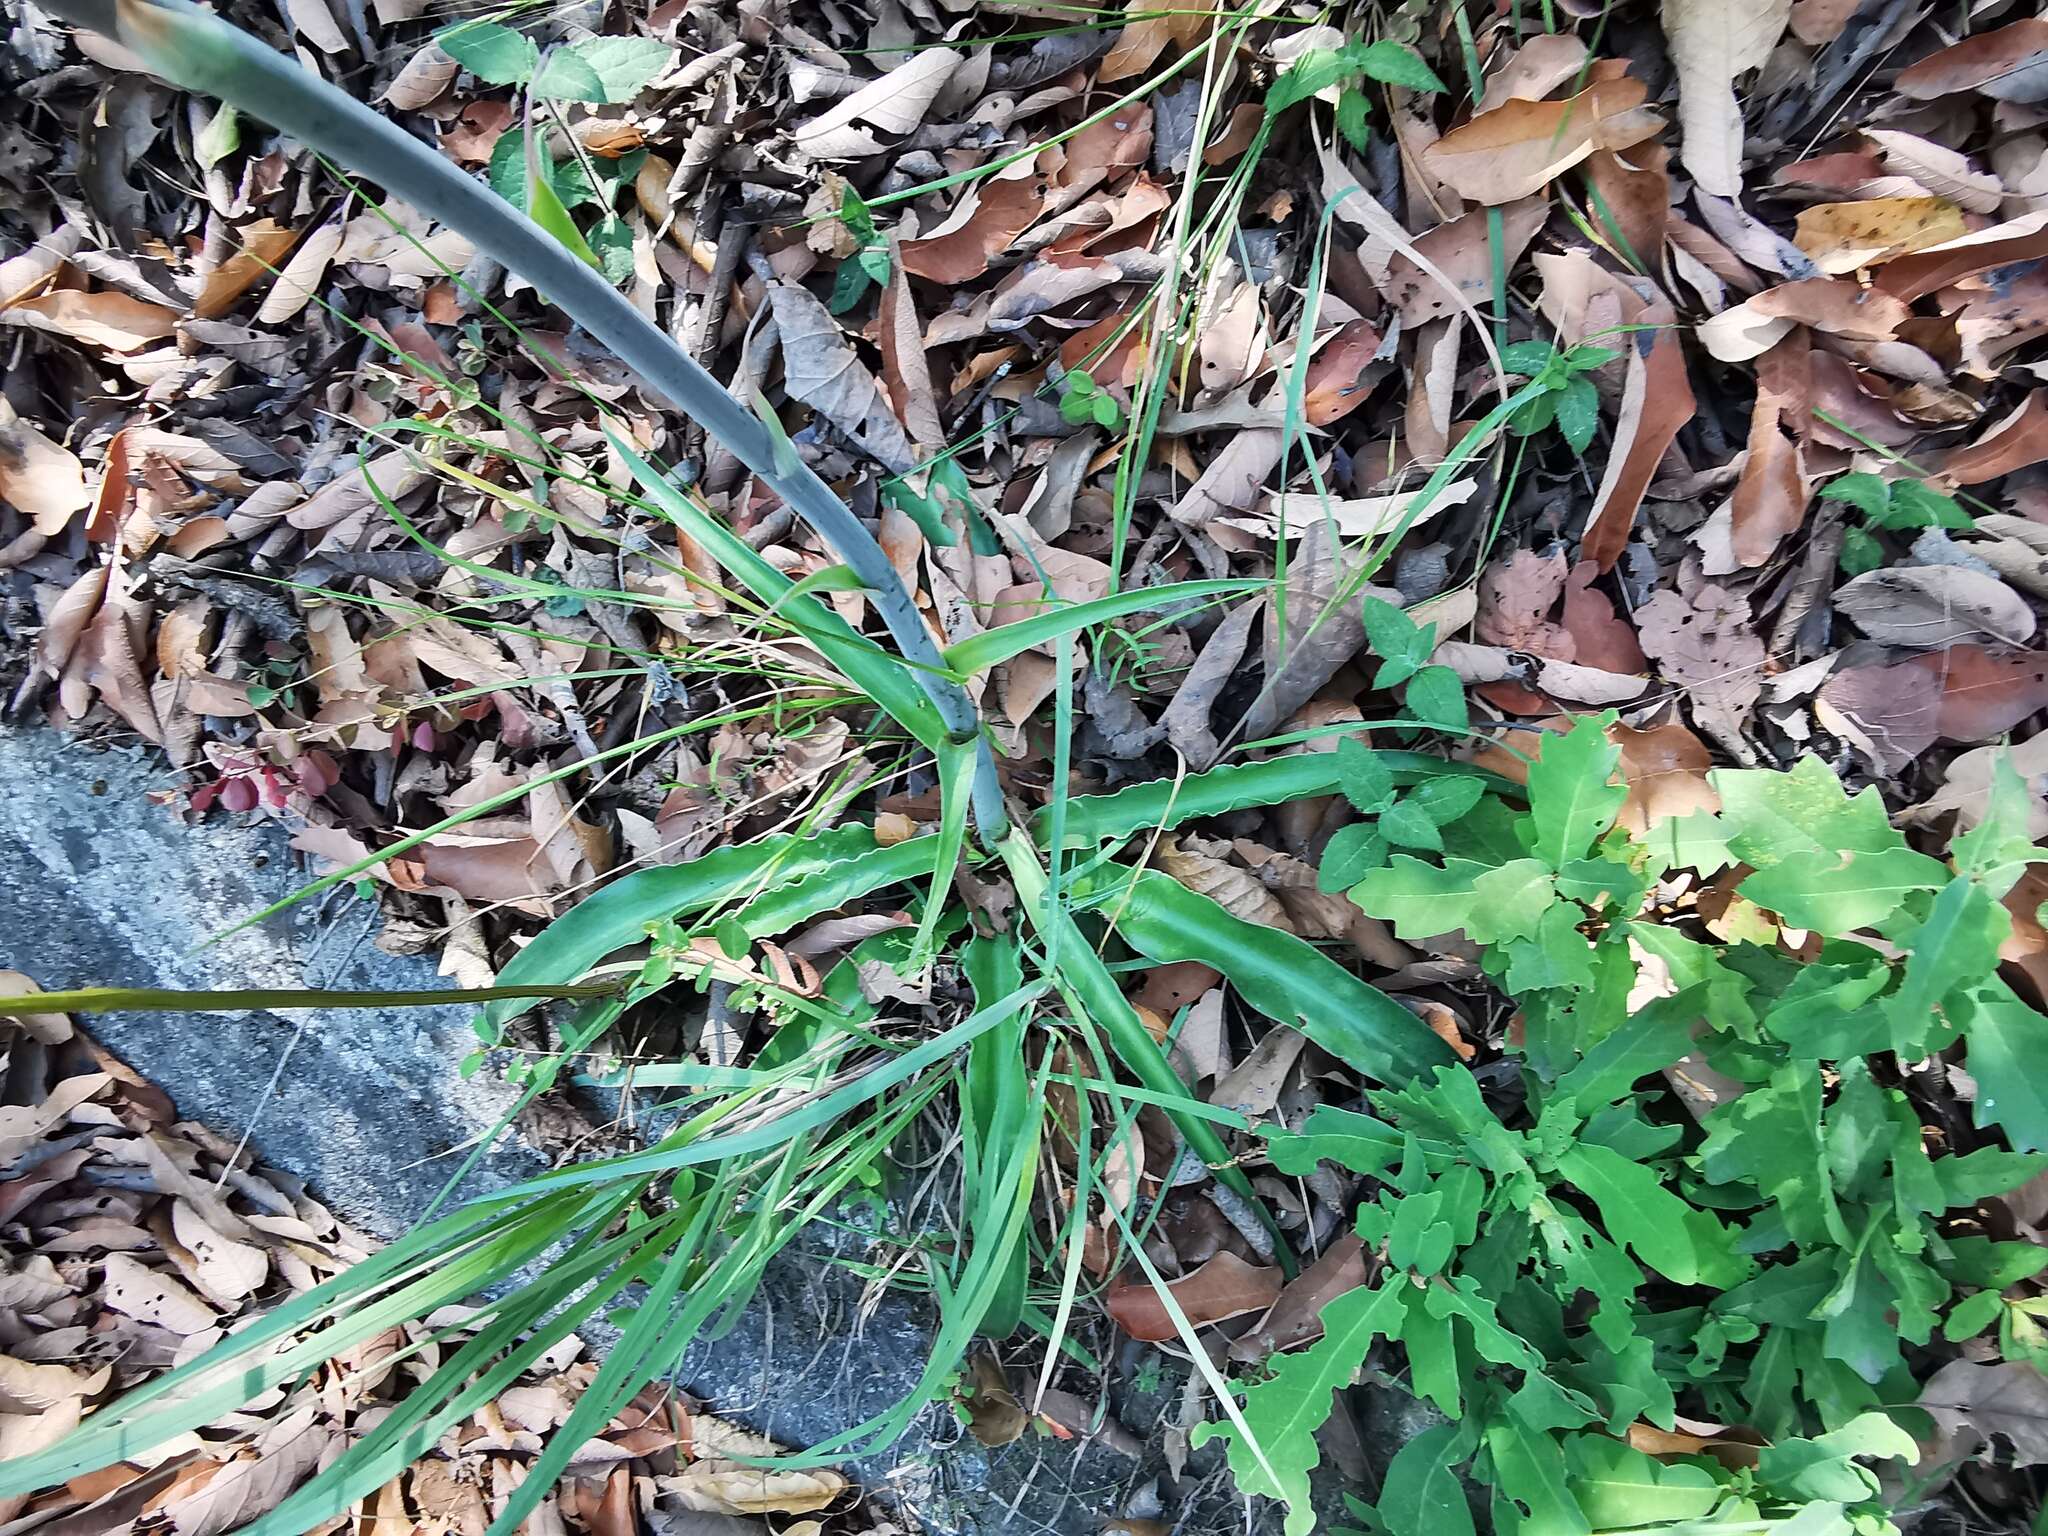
100,886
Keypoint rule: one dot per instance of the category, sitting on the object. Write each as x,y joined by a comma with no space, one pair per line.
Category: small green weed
1901,505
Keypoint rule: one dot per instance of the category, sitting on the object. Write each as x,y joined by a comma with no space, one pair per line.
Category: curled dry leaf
1226,1286
112,321
1520,147
1844,237
1770,498
1532,71
44,480
1203,867
1711,43
1708,647
2008,63
1656,401
821,368
880,111
1665,767
2016,441
1965,693
727,1487
1929,607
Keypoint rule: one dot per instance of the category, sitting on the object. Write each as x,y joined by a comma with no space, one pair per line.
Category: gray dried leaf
820,368
1931,606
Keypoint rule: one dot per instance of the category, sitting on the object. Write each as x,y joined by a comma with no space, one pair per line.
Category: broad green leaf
1352,853
1528,358
1342,1136
221,137
1558,956
493,53
1620,1488
611,239
1868,494
2006,1044
1407,825
1368,782
1915,505
1578,413
1489,904
1354,114
1531,1497
1997,851
1446,799
507,173
1393,63
1770,816
1678,1241
1826,1466
1835,894
623,66
1957,945
1402,645
1571,802
1422,1494
1862,551
1696,841
1285,1411
1649,1040
1436,696
1429,1340
1770,1135
564,76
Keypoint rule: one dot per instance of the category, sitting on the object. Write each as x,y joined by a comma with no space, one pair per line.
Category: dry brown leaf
1202,867
1966,786
44,480
1929,607
1711,43
1940,170
1232,480
1656,401
726,1487
1770,498
1226,1286
2008,63
263,244
1964,693
110,320
1450,269
1835,305
1520,147
2017,440
1665,767
1516,597
984,225
1296,1315
2024,238
821,369
1635,189
1532,71
1709,646
1844,237
1977,1406
1339,375
891,106
150,1296
1600,637
50,1028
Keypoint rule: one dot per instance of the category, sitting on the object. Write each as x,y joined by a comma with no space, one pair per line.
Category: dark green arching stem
172,1000
197,51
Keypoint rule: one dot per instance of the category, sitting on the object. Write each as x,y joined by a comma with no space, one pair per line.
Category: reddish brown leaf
2009,63
986,225
1520,147
2014,443
1336,380
1226,1286
1635,195
1770,498
1297,1316
1924,272
1599,636
1656,401
1665,767
1835,305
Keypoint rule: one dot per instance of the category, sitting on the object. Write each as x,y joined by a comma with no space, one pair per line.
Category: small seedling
1565,397
1083,401
1893,504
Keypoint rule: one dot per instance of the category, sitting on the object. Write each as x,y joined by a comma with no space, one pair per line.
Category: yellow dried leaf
1843,237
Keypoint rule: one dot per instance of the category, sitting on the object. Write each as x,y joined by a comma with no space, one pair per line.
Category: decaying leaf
1521,146
1713,42
1226,1286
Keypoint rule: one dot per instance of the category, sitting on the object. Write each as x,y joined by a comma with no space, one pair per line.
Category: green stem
173,1000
